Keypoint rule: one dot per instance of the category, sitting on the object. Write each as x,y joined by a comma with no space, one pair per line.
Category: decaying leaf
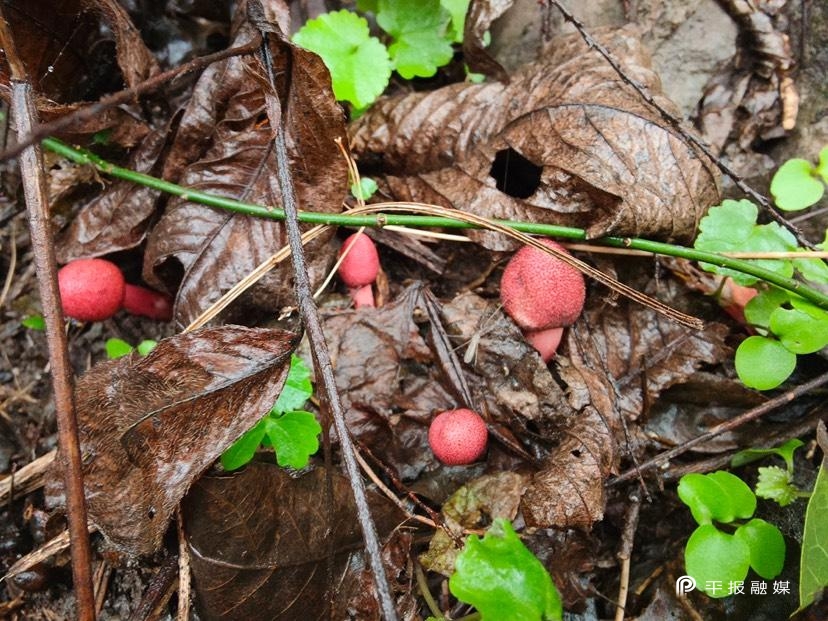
119,218
565,142
224,146
149,426
260,540
58,46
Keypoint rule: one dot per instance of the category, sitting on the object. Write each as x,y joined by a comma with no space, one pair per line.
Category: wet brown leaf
119,218
149,426
52,40
566,142
260,540
224,146
479,19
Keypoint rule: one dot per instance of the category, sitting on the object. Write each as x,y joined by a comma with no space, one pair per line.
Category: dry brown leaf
149,426
224,146
566,142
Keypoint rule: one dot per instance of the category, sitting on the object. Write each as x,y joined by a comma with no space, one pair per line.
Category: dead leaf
224,146
149,426
119,218
50,39
260,540
479,18
566,142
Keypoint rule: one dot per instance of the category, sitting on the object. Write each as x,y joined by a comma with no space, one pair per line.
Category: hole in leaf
514,174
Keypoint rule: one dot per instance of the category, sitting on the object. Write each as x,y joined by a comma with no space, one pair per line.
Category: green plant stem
84,157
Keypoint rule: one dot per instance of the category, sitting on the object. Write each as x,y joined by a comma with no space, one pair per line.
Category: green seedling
502,579
291,432
786,325
799,184
420,34
117,348
774,483
727,542
365,189
34,322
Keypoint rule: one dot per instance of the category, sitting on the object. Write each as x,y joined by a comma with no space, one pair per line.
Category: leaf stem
85,157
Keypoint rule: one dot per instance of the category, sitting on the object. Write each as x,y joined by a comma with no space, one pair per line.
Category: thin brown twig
34,190
125,96
676,124
730,425
625,553
319,347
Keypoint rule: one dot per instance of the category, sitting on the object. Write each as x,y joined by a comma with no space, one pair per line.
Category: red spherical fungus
91,289
147,303
458,437
359,268
541,292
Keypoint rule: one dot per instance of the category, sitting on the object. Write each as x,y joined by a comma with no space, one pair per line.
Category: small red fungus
147,303
541,292
359,268
94,290
91,289
458,437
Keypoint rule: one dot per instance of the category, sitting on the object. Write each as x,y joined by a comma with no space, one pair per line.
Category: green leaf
243,449
813,566
822,166
714,559
776,484
767,547
731,227
117,348
763,363
759,309
418,28
367,6
799,331
359,63
457,9
814,270
34,322
502,579
719,496
786,452
795,186
146,346
297,389
365,189
294,437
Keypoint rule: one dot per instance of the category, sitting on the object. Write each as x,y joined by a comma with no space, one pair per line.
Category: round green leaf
763,363
719,496
795,187
359,63
758,310
798,331
715,559
822,167
502,579
117,348
767,547
146,346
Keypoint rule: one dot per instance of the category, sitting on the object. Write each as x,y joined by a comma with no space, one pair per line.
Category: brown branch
319,348
676,124
125,96
34,189
730,425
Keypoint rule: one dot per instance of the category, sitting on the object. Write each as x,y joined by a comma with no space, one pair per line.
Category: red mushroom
91,289
458,437
94,290
541,293
359,268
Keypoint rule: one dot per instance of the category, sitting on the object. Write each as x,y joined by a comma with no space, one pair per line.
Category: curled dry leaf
224,146
565,142
49,37
480,16
260,541
119,218
149,426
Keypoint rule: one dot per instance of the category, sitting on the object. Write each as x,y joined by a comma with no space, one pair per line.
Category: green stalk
84,157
